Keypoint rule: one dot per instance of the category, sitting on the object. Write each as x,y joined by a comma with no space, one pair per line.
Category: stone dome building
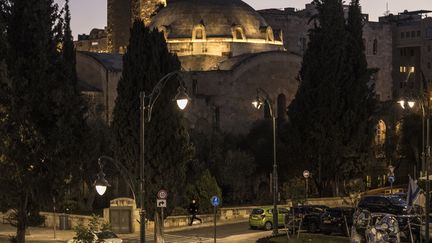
217,29
227,51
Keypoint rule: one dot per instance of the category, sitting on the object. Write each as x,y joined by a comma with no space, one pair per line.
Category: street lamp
258,103
101,183
146,104
426,153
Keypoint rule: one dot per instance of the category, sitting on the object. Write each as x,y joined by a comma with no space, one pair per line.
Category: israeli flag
413,193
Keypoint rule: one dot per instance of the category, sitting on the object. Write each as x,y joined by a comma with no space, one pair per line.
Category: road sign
391,179
161,203
306,174
215,200
162,194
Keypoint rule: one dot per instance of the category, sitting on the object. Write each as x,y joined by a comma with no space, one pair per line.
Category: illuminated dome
219,18
205,33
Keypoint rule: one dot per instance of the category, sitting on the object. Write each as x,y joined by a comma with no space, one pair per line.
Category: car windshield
257,211
106,235
397,201
334,212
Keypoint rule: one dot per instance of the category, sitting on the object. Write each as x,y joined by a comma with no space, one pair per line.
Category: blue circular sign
215,200
391,179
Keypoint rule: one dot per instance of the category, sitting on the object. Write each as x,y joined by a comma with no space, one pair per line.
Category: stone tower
121,14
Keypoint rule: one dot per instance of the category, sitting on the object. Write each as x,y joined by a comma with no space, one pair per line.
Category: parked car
337,220
394,204
309,216
101,237
263,217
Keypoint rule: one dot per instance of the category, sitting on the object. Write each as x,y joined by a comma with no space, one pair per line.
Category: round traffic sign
215,200
306,174
391,179
162,194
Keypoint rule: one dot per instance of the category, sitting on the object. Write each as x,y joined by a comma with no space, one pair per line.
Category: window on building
380,133
302,42
281,106
413,34
368,181
418,33
412,52
199,34
375,47
238,34
398,128
194,86
407,34
401,52
402,34
217,117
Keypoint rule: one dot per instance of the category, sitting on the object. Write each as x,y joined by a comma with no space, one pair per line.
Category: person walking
193,210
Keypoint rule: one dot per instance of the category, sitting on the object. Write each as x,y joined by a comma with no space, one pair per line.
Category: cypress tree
315,112
146,61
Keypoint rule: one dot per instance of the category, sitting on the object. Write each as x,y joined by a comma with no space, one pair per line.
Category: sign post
215,200
306,175
391,177
162,203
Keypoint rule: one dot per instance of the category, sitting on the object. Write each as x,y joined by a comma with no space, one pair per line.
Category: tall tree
39,113
146,61
331,108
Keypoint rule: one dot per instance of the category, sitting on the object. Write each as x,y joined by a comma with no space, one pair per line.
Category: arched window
380,133
269,34
164,30
281,107
238,33
198,32
375,47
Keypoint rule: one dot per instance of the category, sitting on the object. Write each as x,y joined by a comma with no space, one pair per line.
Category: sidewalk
40,235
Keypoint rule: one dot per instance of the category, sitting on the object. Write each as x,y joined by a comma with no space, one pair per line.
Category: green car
263,217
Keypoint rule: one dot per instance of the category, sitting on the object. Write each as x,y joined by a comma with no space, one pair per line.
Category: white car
102,237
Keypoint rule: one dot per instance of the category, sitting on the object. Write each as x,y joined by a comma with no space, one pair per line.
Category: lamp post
146,104
258,103
411,104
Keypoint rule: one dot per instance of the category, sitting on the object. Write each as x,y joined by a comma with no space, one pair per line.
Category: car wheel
252,227
268,225
313,228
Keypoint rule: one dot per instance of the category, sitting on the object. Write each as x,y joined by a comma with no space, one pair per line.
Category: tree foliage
37,117
168,150
335,93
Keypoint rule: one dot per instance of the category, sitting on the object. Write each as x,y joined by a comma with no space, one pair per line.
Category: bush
179,211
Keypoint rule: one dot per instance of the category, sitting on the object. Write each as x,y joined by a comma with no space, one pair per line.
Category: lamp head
257,103
101,184
411,104
402,103
182,98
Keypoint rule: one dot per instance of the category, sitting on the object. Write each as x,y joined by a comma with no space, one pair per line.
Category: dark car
308,215
392,204
337,220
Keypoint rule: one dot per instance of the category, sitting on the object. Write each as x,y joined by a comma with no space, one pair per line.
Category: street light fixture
261,99
146,104
101,183
426,152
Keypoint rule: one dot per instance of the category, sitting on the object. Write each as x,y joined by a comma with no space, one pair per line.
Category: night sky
88,14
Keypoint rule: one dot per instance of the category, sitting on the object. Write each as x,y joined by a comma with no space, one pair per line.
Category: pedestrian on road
193,210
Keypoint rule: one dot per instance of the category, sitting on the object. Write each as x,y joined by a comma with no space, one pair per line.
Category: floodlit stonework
227,51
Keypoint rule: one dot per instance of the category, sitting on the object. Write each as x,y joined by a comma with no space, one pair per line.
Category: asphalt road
236,232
